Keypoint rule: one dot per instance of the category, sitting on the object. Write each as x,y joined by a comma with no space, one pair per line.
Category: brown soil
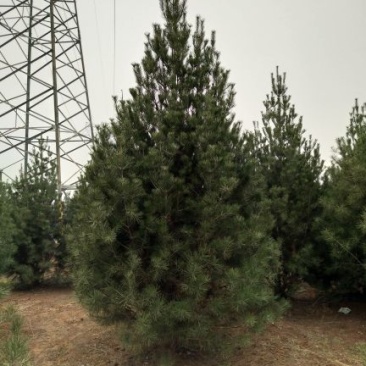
62,334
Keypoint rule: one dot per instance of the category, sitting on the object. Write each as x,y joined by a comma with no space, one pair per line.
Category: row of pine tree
184,223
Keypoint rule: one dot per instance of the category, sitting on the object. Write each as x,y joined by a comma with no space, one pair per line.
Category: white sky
320,44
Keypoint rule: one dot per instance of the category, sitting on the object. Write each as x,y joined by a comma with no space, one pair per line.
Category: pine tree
344,217
292,167
36,216
167,234
7,228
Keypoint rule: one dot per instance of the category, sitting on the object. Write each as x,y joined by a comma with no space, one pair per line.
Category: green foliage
7,228
291,166
344,218
13,343
36,216
169,234
360,350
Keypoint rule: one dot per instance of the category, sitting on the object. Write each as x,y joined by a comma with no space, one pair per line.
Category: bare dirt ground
62,334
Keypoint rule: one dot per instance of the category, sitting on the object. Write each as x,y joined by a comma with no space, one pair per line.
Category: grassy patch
361,352
13,344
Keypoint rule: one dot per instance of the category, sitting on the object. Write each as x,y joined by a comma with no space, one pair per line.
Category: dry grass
61,334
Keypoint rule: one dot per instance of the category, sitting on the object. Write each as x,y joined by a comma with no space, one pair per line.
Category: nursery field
61,333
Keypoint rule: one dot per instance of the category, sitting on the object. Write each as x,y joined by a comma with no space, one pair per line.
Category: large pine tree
344,216
291,166
168,235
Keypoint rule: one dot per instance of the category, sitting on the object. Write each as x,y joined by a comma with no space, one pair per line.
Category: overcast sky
320,44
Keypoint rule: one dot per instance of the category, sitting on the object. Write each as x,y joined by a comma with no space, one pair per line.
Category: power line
99,44
114,47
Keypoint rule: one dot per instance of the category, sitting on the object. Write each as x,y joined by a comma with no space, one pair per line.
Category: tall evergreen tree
344,217
38,238
292,167
168,234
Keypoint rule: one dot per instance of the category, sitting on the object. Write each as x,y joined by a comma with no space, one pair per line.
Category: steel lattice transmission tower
43,89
